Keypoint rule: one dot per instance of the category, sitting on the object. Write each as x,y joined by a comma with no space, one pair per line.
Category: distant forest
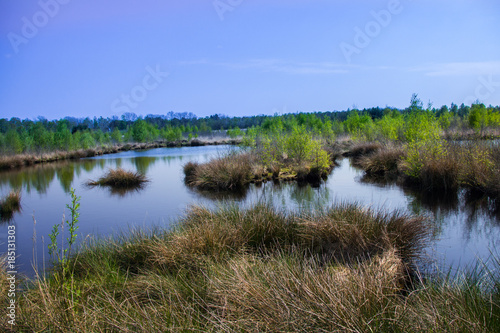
28,136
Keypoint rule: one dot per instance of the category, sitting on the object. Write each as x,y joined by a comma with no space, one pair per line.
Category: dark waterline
464,232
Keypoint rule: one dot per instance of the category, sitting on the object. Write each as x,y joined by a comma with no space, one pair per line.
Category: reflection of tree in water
66,174
309,197
40,176
479,214
143,163
435,202
118,162
168,159
38,179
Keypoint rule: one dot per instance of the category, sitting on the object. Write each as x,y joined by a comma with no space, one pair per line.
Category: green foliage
87,140
171,134
390,126
61,257
297,147
478,117
234,132
116,135
360,127
62,136
140,131
421,130
26,136
13,142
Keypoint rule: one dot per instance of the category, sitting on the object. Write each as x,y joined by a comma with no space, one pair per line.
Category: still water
464,230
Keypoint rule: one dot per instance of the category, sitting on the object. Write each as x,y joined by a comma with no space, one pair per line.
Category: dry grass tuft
383,162
231,172
9,205
119,178
290,294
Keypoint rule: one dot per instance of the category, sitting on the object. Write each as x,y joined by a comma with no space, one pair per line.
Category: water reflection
465,227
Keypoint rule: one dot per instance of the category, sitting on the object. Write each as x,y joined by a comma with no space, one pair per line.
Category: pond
464,231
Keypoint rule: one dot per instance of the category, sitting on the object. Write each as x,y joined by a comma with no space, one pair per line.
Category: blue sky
240,57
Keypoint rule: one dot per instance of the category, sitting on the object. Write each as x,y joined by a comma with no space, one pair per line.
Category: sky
91,58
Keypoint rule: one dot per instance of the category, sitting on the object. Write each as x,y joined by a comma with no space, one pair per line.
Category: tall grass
383,162
235,269
257,269
230,172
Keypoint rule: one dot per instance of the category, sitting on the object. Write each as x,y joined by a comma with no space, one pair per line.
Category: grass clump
119,178
9,205
257,269
383,162
230,172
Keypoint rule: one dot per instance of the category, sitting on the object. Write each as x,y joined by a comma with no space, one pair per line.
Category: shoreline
28,159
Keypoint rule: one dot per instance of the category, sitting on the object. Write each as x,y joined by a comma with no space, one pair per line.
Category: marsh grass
383,162
229,172
259,269
362,149
474,166
9,205
120,179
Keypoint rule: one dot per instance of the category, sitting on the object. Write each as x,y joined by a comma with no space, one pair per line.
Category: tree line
40,135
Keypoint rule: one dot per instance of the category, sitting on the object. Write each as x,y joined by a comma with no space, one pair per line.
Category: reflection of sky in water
464,232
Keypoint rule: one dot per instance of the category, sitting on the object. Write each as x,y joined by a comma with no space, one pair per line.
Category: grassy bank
345,268
8,162
438,166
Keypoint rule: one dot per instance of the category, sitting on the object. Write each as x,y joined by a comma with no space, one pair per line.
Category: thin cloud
461,68
280,66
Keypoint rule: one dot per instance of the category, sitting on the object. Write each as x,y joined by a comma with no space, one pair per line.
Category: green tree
116,135
13,142
62,136
478,117
140,131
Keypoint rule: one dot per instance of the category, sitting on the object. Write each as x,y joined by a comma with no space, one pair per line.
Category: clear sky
243,57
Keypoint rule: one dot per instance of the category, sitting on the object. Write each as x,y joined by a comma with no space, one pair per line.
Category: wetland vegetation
344,267
10,204
120,179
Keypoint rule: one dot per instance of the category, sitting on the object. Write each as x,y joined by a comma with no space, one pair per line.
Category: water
464,231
